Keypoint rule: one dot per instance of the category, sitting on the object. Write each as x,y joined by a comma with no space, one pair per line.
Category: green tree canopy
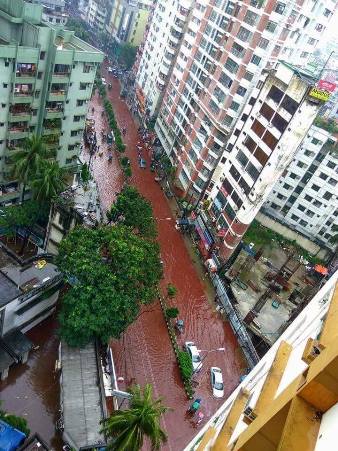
48,182
127,428
112,272
127,55
134,210
79,27
27,161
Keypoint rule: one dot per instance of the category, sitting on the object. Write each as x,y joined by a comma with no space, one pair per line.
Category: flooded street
144,353
32,390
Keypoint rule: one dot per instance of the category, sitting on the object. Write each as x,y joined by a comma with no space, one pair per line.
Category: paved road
144,353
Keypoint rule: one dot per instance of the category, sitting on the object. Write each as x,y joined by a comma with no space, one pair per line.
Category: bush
127,171
16,422
124,162
172,312
171,290
185,364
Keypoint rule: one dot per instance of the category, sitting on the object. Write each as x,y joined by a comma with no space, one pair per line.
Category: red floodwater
32,390
144,353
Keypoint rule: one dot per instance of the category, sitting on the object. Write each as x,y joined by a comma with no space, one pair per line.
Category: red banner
326,85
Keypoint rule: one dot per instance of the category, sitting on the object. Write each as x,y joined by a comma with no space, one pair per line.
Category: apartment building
95,12
53,11
305,197
163,40
46,80
219,60
266,138
289,399
128,20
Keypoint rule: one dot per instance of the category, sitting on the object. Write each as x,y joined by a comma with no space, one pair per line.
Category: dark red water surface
32,390
144,354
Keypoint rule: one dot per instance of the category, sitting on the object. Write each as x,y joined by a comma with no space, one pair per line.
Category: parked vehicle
194,354
216,380
103,81
142,163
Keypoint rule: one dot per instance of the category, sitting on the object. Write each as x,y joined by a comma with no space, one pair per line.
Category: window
37,94
77,118
308,198
327,195
237,50
252,171
258,128
234,106
251,18
280,196
311,41
316,203
323,176
241,91
86,69
261,156
3,105
294,217
42,55
266,111
286,186
301,207
248,76
256,60
5,85
332,182
244,34
39,75
275,94
303,223
300,164
234,173
308,153
231,65
330,165
74,133
250,144
271,26
270,140
289,104
315,187
83,86
219,94
214,107
263,43
309,213
280,7
293,176
225,80
279,123
228,120
80,102
243,159
327,12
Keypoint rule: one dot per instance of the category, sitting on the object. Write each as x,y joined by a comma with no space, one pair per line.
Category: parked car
216,380
103,81
194,354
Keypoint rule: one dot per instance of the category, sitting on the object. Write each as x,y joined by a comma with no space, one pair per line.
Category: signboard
319,94
326,85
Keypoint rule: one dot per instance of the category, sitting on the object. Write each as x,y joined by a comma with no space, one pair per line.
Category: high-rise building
289,400
46,80
95,12
162,43
128,20
220,53
53,11
305,196
262,145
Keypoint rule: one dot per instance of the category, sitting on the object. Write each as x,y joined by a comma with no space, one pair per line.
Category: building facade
159,53
46,81
266,138
128,20
218,61
95,12
305,197
290,398
53,11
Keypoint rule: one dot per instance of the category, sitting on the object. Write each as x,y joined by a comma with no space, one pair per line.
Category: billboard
326,85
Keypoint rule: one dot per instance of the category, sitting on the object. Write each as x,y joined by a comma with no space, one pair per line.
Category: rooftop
80,396
8,290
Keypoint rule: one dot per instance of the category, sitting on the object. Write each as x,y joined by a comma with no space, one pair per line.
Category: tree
112,272
79,27
134,210
18,423
23,217
28,160
127,55
172,312
85,174
48,182
171,290
127,428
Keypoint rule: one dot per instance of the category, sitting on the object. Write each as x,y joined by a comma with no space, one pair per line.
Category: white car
194,354
110,69
216,380
103,81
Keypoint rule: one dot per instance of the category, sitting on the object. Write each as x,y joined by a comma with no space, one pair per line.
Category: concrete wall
305,243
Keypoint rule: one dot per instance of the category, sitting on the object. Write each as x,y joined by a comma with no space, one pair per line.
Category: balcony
54,113
57,95
17,131
9,192
60,77
176,35
23,97
25,72
20,115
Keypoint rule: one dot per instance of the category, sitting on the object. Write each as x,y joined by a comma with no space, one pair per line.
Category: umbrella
321,269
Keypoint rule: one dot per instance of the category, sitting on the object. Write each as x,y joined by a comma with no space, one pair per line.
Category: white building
159,53
289,401
95,12
305,197
53,11
259,149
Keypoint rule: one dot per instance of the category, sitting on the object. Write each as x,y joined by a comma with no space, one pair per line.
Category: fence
236,322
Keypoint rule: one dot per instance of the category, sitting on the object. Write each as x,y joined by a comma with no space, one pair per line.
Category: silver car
194,354
216,380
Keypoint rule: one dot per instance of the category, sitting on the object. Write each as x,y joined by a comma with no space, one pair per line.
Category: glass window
244,34
248,76
263,43
225,80
275,94
289,104
242,158
256,60
280,7
271,26
231,65
279,123
251,18
219,94
258,128
270,140
261,156
237,50
266,111
234,106
252,171
241,91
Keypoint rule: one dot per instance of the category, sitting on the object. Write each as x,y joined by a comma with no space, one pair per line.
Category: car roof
218,376
194,349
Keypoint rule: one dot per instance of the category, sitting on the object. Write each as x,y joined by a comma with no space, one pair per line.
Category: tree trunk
24,243
23,193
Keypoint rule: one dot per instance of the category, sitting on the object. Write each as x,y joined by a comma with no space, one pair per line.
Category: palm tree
127,428
48,182
27,161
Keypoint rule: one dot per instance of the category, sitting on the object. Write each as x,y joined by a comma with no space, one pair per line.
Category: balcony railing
23,93
60,92
18,129
25,73
54,110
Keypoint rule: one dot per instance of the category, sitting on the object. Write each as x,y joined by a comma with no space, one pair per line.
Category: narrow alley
144,353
